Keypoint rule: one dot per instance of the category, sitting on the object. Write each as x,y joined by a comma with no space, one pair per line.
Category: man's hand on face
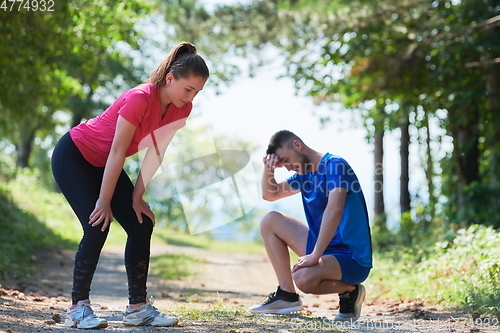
271,162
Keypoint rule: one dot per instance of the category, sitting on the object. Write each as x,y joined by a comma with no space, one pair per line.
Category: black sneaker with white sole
350,304
279,302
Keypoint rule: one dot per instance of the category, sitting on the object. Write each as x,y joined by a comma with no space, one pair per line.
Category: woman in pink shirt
87,164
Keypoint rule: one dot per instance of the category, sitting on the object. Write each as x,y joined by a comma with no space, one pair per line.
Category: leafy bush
472,263
464,272
482,204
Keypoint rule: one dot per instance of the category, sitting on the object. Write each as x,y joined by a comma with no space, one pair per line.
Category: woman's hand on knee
102,214
142,207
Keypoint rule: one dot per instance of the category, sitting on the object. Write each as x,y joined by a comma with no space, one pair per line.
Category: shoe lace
150,300
345,303
151,312
270,298
86,311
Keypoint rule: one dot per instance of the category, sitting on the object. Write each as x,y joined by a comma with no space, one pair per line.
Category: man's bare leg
323,278
280,232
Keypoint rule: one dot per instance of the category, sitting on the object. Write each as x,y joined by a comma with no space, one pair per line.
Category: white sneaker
83,317
147,315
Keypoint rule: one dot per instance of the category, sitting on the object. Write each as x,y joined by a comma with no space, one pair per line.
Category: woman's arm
150,164
123,136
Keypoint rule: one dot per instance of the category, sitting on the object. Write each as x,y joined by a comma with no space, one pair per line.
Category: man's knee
267,222
303,280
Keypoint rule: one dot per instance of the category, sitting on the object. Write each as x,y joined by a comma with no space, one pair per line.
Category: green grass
50,208
178,266
230,318
23,233
217,311
163,235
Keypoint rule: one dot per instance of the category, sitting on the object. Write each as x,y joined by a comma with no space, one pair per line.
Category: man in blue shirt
334,248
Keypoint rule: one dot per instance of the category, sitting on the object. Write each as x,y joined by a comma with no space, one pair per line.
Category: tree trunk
76,118
80,108
493,121
466,152
404,153
380,217
429,170
24,146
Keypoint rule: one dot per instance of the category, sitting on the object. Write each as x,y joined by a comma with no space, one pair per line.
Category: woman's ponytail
182,61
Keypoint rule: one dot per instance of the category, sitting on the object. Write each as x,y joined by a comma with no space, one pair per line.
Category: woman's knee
132,226
141,231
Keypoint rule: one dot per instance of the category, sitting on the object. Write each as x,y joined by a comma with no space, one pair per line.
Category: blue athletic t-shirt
352,236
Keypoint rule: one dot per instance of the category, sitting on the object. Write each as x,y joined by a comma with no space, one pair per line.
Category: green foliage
214,45
7,161
416,234
463,272
50,208
48,56
469,267
481,204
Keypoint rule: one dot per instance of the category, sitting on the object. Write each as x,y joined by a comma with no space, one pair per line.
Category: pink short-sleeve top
141,107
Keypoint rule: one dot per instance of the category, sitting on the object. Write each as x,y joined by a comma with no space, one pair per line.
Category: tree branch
482,63
490,23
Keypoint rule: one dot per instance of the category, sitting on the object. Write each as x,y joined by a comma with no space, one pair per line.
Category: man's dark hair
280,139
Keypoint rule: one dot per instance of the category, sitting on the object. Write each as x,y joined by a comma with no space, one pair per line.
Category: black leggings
80,182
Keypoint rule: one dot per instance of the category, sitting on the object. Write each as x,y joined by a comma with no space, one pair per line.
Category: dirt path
229,280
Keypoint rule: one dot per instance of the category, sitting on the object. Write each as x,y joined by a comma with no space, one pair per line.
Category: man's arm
331,219
271,189
329,225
